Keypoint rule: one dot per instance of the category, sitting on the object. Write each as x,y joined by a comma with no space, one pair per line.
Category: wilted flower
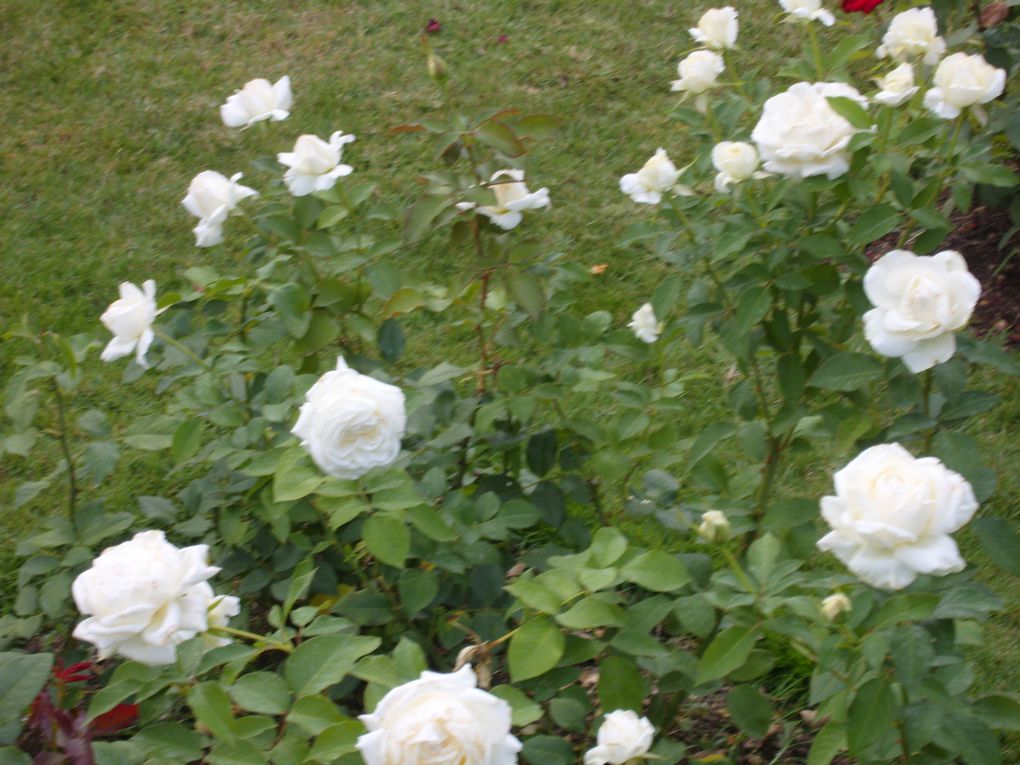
512,198
258,100
130,319
439,719
143,597
314,165
698,74
913,34
211,197
897,86
646,326
920,301
714,527
892,516
717,28
622,737
736,161
657,176
963,80
351,423
834,605
800,134
808,10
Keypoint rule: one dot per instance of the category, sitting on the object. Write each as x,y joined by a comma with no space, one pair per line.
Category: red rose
860,6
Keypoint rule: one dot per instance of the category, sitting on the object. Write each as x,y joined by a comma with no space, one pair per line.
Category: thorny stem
72,478
815,51
926,406
253,637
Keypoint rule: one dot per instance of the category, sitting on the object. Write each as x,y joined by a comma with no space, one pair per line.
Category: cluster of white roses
716,30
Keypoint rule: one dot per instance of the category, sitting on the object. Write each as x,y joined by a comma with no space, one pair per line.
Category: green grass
113,107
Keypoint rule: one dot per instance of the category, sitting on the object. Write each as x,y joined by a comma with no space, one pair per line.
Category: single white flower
622,737
698,74
736,161
920,301
143,597
834,605
892,516
657,176
963,80
211,196
351,423
808,10
800,134
913,34
439,719
714,527
314,165
258,100
717,28
645,325
897,87
219,614
512,198
130,319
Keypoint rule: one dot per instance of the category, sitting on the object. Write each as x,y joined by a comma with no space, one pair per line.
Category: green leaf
170,742
99,459
418,588
294,305
186,440
727,652
314,714
524,710
919,130
535,596
828,742
10,755
527,292
211,707
501,138
235,753
548,750
537,126
657,571
541,452
261,692
420,215
1000,710
912,654
969,737
22,676
322,661
851,111
999,540
873,224
846,372
620,684
535,648
299,583
387,538
294,479
989,174
607,547
750,710
592,612
391,340
336,740
431,524
872,714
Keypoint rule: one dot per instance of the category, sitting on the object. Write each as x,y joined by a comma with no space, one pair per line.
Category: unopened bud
834,605
715,527
437,67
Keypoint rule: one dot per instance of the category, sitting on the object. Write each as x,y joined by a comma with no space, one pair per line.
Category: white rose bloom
892,516
736,161
717,28
920,301
808,10
836,604
913,34
622,737
211,196
657,176
698,73
143,597
714,527
314,165
897,87
512,198
219,614
963,80
351,423
439,719
646,326
800,134
258,100
130,319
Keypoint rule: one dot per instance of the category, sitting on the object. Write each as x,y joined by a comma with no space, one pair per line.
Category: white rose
808,10
130,319
622,737
656,176
920,301
439,719
834,605
351,423
143,597
258,100
218,615
717,28
800,135
211,196
897,87
892,516
314,165
714,527
512,198
963,80
646,326
736,161
698,73
913,34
